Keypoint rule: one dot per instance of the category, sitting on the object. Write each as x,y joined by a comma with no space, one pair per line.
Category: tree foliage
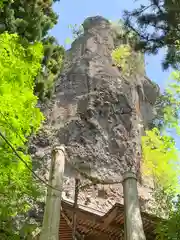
19,118
170,120
128,61
32,19
160,155
157,25
52,64
122,56
170,230
161,159
167,106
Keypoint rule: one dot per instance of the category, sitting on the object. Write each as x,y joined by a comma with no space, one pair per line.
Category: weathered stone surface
98,115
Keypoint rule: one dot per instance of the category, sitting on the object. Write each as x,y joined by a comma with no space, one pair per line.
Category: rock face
99,115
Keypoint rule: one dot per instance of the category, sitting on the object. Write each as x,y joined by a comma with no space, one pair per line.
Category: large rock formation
99,115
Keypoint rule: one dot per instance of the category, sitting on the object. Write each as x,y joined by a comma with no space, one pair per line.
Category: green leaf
19,119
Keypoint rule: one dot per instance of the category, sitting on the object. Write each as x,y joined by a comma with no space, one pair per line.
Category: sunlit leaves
124,56
127,60
121,56
19,118
32,21
160,155
161,159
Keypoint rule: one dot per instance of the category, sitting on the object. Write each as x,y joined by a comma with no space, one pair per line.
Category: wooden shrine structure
93,225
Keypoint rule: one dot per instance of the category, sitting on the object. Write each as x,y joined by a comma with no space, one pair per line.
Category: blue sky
74,12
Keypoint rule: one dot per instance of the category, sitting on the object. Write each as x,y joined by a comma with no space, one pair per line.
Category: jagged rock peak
97,114
95,22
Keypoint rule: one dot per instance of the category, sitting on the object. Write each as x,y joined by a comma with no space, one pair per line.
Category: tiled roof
94,223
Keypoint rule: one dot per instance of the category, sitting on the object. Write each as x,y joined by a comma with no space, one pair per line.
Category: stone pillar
50,229
133,227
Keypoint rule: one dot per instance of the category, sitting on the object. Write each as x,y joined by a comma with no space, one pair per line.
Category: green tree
19,118
161,159
157,25
52,64
170,229
32,19
168,105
